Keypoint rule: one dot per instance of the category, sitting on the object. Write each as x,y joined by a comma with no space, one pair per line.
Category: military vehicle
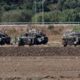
71,38
33,37
4,39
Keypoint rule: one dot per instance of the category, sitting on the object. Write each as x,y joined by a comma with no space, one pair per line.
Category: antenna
42,10
35,2
35,11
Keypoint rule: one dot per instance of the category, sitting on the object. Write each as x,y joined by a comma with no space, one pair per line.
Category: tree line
29,11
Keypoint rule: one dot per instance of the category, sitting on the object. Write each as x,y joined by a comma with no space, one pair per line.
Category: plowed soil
39,68
40,63
39,51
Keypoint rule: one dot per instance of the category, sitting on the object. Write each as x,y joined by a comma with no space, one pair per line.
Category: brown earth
40,68
39,63
40,51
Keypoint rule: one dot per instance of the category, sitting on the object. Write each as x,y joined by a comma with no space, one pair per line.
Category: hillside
31,11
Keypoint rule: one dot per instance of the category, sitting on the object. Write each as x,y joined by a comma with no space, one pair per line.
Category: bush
17,16
68,15
76,28
48,17
54,11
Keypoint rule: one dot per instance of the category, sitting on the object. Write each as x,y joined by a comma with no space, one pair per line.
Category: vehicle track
39,68
39,51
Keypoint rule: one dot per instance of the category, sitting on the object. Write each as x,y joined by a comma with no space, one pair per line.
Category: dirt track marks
43,67
39,51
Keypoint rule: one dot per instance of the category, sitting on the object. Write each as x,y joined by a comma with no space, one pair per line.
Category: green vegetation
76,28
54,11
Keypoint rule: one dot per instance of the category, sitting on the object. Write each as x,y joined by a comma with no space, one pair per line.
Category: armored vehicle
71,38
4,39
33,37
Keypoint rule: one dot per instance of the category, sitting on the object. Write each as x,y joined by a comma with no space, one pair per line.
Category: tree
17,16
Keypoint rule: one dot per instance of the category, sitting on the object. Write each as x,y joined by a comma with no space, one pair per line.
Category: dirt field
40,68
39,63
40,51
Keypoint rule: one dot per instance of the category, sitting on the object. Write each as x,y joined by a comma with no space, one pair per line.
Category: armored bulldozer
33,37
4,39
71,38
